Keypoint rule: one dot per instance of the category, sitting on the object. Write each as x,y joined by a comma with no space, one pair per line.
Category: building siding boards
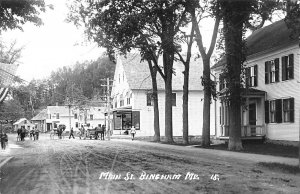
137,81
278,90
281,90
195,113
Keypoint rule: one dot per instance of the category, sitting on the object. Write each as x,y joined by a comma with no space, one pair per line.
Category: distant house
22,122
133,105
272,102
53,116
40,120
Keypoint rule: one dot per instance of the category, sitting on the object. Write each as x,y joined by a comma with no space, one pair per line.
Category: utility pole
108,105
69,105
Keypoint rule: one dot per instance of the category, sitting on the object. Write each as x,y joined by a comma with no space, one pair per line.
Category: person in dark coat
19,131
32,134
23,133
71,133
36,134
102,131
97,131
3,139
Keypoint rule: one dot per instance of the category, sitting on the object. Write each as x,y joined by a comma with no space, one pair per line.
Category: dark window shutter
276,70
284,68
267,111
247,71
291,66
267,72
255,75
292,112
136,119
278,114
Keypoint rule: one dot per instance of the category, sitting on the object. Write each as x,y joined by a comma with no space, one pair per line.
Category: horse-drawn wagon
58,132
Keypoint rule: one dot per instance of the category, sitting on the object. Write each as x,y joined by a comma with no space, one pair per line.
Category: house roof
62,110
20,121
138,74
245,92
272,37
40,116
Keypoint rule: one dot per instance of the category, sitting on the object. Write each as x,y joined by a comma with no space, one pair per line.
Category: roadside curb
5,161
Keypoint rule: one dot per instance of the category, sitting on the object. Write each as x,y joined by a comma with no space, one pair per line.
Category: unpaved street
82,166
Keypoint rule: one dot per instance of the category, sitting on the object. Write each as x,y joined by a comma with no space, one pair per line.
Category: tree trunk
168,110
153,74
233,33
168,66
206,104
185,105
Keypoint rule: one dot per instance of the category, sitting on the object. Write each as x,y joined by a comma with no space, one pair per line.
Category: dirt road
123,166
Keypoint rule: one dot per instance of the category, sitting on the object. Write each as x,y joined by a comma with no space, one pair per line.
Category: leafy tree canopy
15,13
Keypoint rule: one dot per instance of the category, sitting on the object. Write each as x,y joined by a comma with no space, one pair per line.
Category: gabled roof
40,116
20,121
269,38
62,110
138,74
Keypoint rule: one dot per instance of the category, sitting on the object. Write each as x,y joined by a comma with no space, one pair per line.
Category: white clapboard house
272,102
132,104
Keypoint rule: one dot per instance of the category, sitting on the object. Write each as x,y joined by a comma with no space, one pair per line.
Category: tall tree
188,40
10,53
199,11
139,21
293,22
237,16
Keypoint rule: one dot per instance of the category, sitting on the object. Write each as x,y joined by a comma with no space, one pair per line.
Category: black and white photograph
149,96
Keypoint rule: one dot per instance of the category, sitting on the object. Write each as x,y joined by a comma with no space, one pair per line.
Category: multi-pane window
57,115
121,102
288,110
75,116
149,99
272,111
251,76
128,101
287,67
91,117
272,71
279,110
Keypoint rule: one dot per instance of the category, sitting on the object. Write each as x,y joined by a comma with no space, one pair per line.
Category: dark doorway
252,119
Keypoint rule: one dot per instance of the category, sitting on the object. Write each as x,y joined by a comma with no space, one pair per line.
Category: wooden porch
248,132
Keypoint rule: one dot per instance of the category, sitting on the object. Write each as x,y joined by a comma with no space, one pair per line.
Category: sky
58,43
52,45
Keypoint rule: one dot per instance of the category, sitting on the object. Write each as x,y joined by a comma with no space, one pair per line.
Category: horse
60,130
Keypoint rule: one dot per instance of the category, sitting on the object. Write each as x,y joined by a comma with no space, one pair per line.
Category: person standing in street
71,133
102,133
23,133
3,139
132,132
36,135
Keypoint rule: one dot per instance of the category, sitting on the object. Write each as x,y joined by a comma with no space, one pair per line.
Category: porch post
247,117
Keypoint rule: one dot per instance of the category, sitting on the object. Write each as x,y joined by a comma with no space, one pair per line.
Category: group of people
100,129
34,134
86,133
3,139
22,132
